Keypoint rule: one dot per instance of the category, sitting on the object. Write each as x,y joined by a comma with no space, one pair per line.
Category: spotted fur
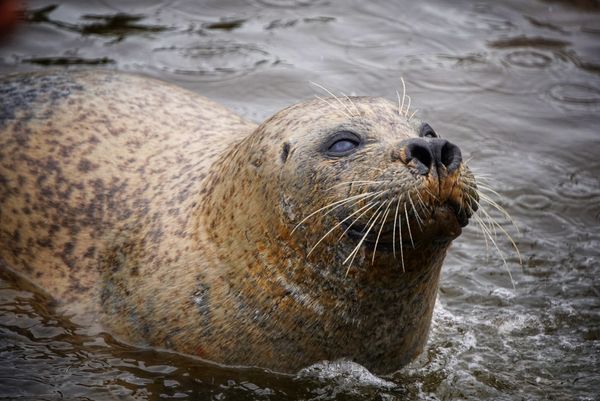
173,220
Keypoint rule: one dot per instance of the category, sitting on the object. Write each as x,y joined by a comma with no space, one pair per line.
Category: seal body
173,222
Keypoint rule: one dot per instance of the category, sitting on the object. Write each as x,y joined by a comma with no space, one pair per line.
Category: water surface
515,83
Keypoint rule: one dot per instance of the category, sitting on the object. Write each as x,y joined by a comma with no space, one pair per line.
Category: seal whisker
373,216
408,226
480,225
413,114
336,226
400,236
375,168
489,227
407,106
355,250
352,103
421,201
497,206
394,228
403,95
336,204
486,187
488,234
334,96
371,205
356,182
430,193
419,220
385,214
494,223
502,257
333,106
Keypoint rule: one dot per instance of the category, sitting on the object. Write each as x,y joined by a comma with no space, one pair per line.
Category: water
515,83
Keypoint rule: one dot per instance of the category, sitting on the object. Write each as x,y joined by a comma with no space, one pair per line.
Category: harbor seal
174,223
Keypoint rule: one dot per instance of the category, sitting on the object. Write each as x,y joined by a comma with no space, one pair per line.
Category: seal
174,223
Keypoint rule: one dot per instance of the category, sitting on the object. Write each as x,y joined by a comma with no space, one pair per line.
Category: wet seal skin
172,222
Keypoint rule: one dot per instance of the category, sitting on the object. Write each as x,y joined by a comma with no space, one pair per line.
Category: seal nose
426,153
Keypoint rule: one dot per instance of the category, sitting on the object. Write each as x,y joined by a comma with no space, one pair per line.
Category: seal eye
342,143
427,131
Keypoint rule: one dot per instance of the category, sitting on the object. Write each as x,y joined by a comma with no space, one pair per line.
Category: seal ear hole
427,132
285,152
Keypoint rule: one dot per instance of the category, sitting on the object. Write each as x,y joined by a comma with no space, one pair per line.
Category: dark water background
515,83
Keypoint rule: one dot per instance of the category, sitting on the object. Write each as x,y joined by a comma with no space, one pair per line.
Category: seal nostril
418,151
422,154
450,156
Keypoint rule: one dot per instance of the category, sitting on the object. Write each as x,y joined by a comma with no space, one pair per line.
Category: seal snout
427,153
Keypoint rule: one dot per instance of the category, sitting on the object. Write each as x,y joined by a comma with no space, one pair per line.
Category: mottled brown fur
173,219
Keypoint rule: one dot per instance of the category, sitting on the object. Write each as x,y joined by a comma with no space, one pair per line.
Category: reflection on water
515,83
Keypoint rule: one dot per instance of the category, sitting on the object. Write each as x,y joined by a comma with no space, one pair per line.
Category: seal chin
461,215
447,222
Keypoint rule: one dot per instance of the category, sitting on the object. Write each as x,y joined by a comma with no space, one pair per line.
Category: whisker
334,96
332,106
373,216
487,188
419,221
480,224
355,250
399,107
496,224
336,204
408,226
403,95
387,211
503,260
336,226
494,204
371,206
408,106
352,103
489,227
394,228
421,201
430,193
400,236
356,182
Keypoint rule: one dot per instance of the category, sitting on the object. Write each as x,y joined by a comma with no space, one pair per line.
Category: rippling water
515,83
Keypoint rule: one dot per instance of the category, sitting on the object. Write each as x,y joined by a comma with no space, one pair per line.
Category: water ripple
577,94
212,61
528,59
287,3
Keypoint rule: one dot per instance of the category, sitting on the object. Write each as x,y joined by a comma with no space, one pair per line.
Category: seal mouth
442,224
